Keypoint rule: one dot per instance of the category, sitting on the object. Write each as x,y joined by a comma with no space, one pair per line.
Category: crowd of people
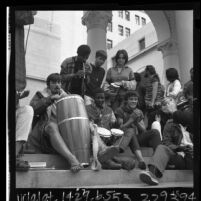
120,101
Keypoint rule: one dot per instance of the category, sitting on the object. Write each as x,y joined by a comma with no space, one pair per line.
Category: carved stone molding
97,19
168,47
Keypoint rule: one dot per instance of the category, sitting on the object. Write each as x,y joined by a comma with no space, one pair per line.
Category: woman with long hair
121,76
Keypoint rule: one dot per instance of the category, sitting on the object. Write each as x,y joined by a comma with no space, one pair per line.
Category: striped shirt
149,88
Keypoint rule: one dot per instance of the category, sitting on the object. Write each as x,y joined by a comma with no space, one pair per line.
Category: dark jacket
172,135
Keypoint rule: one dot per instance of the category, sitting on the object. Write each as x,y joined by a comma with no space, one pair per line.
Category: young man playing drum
102,115
131,121
45,136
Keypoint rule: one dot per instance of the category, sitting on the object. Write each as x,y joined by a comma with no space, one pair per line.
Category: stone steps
67,179
61,177
59,162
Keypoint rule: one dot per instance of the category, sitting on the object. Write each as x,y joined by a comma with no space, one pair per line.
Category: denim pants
164,155
130,138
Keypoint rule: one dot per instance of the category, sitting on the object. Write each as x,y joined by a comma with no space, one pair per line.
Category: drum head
117,132
103,132
114,85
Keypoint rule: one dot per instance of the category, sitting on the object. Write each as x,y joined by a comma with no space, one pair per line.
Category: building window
128,32
143,21
109,26
137,19
127,15
121,30
109,44
142,44
121,13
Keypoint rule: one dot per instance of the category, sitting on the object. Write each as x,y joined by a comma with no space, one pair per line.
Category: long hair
151,69
172,74
124,52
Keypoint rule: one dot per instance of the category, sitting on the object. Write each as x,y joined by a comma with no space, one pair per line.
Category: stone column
170,56
184,33
96,22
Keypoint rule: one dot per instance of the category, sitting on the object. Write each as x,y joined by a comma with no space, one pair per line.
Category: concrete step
90,178
59,162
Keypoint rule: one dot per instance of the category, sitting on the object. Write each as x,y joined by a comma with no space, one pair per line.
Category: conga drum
105,135
73,124
116,135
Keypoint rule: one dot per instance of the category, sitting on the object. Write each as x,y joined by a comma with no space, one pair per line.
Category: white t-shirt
173,88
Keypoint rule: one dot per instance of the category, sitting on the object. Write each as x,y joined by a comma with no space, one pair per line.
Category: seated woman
131,121
122,76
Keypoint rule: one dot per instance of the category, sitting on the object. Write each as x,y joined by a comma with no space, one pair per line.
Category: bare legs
59,145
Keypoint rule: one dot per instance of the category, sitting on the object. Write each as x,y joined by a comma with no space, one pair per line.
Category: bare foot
76,168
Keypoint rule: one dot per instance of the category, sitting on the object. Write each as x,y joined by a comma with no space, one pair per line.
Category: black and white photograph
104,104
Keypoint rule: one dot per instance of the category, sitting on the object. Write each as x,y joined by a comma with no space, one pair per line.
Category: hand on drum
56,97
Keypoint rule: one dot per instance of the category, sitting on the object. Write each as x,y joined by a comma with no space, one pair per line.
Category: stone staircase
58,175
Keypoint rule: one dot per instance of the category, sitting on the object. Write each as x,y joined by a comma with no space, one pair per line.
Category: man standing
74,71
96,76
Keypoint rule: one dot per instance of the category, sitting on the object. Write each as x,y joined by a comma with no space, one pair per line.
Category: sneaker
142,165
148,178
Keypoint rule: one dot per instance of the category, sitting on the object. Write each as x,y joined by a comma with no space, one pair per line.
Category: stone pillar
184,33
96,22
170,56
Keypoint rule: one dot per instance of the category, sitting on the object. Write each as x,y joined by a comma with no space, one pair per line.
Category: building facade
140,54
42,54
123,24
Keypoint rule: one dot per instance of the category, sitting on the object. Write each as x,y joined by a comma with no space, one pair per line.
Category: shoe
148,178
111,165
22,165
108,153
142,165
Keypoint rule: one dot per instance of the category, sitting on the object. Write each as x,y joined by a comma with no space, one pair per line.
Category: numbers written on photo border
108,195
97,196
165,196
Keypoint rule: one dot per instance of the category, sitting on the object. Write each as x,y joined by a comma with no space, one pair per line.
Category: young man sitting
176,147
131,120
103,116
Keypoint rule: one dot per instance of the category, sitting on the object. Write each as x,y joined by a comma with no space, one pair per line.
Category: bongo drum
114,88
116,135
73,124
104,134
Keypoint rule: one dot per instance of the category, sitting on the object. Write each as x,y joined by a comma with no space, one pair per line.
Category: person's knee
27,110
130,132
161,148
